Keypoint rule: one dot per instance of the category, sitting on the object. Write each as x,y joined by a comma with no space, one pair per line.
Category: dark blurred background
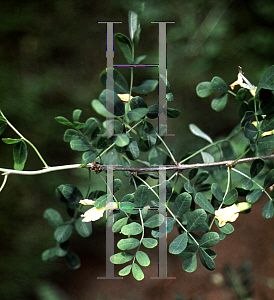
51,56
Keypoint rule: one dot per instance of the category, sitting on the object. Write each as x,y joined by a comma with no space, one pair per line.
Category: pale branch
98,167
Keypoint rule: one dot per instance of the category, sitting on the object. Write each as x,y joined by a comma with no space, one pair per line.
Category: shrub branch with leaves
202,199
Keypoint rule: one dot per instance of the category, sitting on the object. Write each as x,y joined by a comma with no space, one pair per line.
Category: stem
170,154
26,140
4,182
38,172
229,91
226,191
204,148
263,189
138,170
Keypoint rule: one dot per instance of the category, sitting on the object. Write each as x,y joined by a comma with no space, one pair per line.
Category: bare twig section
99,168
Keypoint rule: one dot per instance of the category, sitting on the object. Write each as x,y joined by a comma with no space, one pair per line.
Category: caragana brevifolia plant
163,189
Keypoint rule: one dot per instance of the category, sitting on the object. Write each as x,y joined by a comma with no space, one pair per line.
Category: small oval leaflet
179,244
132,229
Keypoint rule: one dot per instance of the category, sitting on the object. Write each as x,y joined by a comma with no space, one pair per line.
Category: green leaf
63,232
217,191
227,229
241,94
202,201
253,195
101,201
120,83
219,103
121,140
149,135
100,108
132,229
83,228
155,157
81,144
89,156
189,188
250,130
69,194
206,259
138,59
3,124
137,102
204,89
218,85
72,260
154,221
118,105
231,197
196,219
209,239
63,121
125,271
128,198
49,255
192,173
269,180
128,244
132,150
142,258
145,87
268,123
137,272
247,184
117,184
76,115
119,224
207,158
141,196
189,251
72,134
53,217
182,204
153,111
169,97
179,244
266,142
169,226
173,113
92,125
137,114
198,132
125,46
268,210
190,264
20,154
149,242
11,141
111,157
267,78
202,176
256,167
121,258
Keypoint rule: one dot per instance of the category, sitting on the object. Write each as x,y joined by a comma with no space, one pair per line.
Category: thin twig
182,167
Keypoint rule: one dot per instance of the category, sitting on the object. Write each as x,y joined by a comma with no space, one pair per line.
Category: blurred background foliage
51,55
